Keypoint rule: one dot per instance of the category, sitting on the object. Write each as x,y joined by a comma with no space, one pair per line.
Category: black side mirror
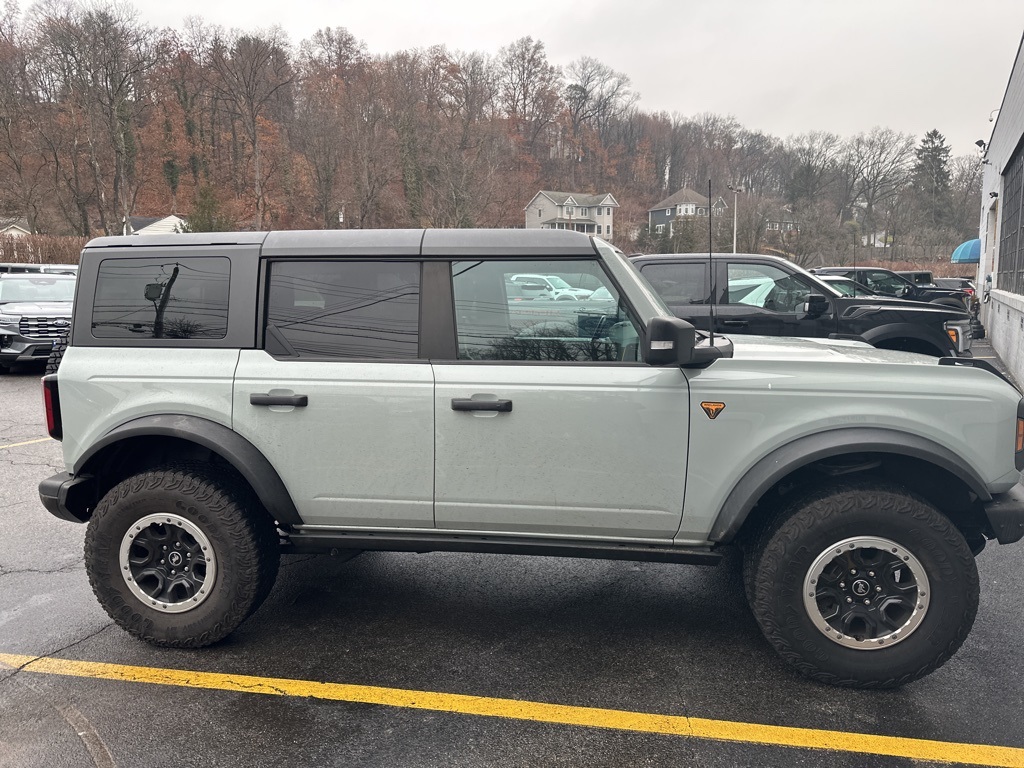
672,341
815,305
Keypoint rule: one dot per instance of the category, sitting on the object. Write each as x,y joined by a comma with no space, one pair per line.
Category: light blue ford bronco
225,398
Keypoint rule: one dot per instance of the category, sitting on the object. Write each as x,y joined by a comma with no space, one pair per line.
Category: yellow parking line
27,442
669,725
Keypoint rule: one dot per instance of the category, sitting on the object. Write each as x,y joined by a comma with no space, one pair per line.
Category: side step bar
324,542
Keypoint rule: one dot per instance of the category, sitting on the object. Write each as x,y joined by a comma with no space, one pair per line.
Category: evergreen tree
206,214
931,179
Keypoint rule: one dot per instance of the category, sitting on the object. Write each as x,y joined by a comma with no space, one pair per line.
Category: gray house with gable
684,204
576,211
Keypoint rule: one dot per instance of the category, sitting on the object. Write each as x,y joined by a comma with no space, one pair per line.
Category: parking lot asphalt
394,659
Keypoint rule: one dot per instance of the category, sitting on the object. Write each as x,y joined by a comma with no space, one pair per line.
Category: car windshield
16,289
557,282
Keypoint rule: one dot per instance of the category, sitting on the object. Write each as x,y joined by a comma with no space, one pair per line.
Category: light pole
735,201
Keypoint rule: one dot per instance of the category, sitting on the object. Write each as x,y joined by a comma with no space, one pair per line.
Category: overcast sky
779,66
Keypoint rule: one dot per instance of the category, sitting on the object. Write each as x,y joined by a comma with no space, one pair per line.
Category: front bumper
1005,514
69,497
15,348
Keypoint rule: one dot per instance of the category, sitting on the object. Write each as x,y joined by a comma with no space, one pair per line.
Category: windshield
614,254
558,282
845,287
36,289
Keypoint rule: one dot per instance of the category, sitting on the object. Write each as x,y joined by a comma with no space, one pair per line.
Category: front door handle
735,323
469,404
299,401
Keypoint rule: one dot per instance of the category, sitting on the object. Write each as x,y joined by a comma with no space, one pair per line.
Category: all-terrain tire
232,534
817,530
59,346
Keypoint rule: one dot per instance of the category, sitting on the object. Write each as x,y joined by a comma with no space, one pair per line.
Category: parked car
771,296
35,311
846,286
228,397
21,267
888,283
556,285
964,284
922,278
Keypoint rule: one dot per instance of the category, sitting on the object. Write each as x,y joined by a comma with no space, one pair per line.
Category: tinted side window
344,309
162,298
684,283
767,287
883,282
504,311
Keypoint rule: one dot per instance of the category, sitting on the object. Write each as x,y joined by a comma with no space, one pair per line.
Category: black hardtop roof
699,256
460,243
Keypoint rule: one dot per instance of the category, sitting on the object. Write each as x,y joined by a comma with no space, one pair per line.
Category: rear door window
343,309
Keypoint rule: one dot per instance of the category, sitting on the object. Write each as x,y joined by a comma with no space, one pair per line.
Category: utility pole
735,202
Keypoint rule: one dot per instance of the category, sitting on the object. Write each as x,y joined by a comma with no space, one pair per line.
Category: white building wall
1003,315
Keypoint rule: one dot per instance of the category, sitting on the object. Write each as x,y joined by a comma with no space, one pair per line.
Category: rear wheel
865,586
179,558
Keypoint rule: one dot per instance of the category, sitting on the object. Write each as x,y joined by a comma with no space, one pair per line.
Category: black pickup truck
890,283
770,296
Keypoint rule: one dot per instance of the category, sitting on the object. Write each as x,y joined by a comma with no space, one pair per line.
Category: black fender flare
225,442
822,445
882,333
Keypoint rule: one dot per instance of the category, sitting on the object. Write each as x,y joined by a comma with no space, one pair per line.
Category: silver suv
286,392
35,312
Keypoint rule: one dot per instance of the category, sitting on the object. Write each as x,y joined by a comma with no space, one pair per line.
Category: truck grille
43,327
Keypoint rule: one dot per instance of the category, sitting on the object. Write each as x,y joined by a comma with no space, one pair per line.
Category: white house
153,225
14,227
593,214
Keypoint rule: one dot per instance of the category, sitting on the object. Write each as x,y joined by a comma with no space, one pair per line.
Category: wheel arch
897,335
932,470
157,438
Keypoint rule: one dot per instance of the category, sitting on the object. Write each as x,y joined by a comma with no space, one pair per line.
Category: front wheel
865,586
179,557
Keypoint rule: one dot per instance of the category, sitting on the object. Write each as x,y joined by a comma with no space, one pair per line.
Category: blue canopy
967,253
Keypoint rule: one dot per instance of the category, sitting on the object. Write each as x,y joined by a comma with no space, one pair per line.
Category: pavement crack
75,566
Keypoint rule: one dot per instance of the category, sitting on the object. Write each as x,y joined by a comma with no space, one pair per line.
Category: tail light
1018,445
51,402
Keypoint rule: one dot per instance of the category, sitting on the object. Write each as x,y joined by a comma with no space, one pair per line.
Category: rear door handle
735,323
468,404
299,401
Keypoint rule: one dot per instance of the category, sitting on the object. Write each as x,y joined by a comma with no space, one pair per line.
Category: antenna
711,272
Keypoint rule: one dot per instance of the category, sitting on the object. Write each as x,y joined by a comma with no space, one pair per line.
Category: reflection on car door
555,427
764,300
343,335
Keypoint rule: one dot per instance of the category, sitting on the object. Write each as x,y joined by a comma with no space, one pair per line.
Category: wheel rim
168,563
866,593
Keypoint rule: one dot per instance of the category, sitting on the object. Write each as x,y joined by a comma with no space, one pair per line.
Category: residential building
14,227
1000,274
684,204
153,225
593,214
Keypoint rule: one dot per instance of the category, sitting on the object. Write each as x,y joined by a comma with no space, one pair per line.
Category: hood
40,308
887,302
821,350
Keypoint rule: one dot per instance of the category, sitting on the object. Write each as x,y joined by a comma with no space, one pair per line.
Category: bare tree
94,60
881,160
528,89
253,71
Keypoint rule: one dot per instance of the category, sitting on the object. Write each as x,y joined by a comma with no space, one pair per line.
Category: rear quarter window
185,298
